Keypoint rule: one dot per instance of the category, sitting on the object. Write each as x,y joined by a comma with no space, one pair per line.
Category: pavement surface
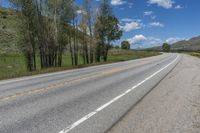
173,106
88,100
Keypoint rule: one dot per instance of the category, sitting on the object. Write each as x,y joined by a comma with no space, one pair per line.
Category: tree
125,45
27,30
89,16
44,29
166,47
65,13
106,30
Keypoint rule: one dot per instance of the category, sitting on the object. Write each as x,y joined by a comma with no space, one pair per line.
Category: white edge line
67,129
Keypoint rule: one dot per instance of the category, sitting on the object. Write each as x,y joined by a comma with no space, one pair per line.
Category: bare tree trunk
71,51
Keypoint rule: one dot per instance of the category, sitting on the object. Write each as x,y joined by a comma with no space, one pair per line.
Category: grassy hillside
8,31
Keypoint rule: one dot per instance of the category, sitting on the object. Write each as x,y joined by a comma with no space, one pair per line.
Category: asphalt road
88,100
173,106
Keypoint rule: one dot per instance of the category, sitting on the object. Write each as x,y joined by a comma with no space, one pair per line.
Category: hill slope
190,45
185,45
8,31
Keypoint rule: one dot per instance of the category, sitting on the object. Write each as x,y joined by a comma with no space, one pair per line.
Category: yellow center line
67,82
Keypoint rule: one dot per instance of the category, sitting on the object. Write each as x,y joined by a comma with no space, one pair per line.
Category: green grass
13,65
9,24
197,54
123,55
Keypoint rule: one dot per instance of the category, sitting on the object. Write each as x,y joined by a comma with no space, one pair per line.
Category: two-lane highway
88,100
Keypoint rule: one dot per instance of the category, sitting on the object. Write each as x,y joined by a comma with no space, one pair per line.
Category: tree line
50,28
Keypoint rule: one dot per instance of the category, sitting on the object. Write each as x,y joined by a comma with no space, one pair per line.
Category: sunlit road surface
88,100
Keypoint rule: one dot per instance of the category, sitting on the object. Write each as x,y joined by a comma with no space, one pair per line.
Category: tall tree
107,30
28,19
84,39
89,15
65,15
166,47
44,25
53,16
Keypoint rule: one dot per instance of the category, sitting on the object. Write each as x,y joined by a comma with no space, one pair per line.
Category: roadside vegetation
13,65
197,54
53,35
49,29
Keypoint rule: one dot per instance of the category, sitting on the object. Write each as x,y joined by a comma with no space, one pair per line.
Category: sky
149,23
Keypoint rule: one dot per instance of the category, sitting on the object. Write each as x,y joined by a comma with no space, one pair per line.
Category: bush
195,54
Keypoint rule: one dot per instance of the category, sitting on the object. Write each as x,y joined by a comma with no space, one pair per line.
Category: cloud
137,39
130,20
140,41
156,24
131,25
117,2
127,20
153,17
130,5
178,7
162,3
148,13
172,40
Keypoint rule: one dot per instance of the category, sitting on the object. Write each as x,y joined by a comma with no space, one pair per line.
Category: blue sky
148,23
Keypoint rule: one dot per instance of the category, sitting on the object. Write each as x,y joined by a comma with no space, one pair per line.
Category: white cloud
117,2
153,17
127,19
137,39
156,24
162,3
140,41
131,25
130,5
172,40
178,7
148,13
130,20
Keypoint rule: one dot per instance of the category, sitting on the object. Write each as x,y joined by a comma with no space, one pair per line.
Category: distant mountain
185,45
189,45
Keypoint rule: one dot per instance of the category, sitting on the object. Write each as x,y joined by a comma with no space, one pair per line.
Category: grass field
13,65
197,54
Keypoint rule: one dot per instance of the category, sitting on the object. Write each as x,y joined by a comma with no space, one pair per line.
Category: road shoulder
172,106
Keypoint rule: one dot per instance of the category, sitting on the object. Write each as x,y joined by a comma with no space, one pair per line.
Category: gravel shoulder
171,107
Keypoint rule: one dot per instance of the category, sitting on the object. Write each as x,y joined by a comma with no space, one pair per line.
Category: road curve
88,100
